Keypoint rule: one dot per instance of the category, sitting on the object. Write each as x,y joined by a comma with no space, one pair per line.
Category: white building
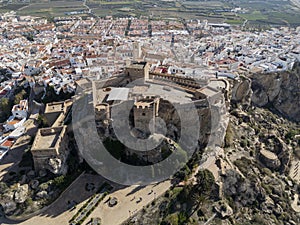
13,123
20,111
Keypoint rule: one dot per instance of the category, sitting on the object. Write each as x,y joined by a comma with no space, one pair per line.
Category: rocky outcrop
242,191
57,165
279,90
241,92
21,193
9,207
42,195
34,184
223,209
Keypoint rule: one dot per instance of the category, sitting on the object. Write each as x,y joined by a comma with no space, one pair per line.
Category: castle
153,104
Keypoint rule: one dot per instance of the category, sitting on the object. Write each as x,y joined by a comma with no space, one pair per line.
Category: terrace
13,122
47,138
7,143
21,106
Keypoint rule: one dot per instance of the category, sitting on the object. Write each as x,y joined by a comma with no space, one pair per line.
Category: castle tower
138,70
144,111
137,51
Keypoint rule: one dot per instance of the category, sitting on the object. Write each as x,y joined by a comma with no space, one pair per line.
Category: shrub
291,134
3,187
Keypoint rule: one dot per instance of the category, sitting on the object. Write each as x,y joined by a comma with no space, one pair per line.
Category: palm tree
198,200
202,191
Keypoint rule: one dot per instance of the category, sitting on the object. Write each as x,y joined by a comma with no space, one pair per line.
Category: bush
28,202
267,171
44,186
291,134
59,181
205,181
172,219
3,187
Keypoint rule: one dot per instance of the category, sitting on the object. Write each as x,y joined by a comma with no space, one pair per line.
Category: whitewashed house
13,123
20,110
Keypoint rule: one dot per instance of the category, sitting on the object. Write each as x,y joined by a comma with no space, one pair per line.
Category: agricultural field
269,12
236,12
44,7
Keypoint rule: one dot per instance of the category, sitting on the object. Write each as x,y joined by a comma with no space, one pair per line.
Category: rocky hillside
256,176
254,180
279,91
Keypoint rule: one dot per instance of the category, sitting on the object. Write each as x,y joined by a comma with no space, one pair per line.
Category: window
143,114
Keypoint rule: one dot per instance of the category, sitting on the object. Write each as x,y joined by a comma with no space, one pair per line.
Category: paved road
128,202
127,205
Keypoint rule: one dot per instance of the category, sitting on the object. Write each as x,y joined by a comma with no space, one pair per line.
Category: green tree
198,200
181,156
59,181
205,181
5,107
19,97
182,218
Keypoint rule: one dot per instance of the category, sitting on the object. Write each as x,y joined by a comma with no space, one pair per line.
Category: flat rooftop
174,95
57,106
136,66
118,94
47,137
21,106
54,107
140,89
8,143
13,122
